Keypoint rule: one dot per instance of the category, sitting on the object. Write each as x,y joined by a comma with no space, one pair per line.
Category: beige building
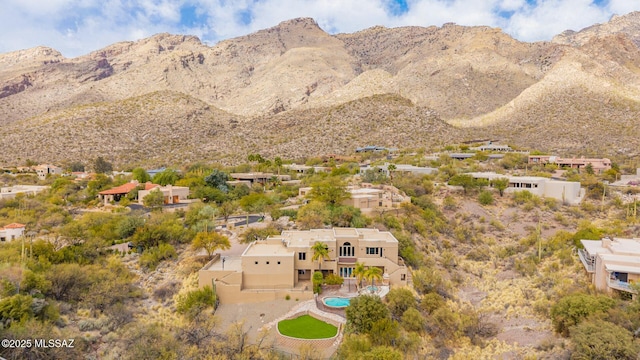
614,264
45,169
10,192
568,192
172,194
369,197
598,165
282,265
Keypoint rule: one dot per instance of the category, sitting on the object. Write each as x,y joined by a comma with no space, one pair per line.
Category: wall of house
563,190
11,234
268,272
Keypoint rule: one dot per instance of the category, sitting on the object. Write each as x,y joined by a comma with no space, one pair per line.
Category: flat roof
622,247
305,238
267,249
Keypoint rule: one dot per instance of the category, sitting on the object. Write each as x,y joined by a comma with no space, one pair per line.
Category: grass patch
307,327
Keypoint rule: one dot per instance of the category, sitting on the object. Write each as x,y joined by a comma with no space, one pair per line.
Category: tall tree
140,175
320,253
101,166
359,272
373,273
166,177
500,184
218,179
154,200
210,242
332,191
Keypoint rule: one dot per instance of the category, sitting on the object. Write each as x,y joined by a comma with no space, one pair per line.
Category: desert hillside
295,79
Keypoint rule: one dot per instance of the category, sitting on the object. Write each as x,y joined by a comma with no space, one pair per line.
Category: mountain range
294,90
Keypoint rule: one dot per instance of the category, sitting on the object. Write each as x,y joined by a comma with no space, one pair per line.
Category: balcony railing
347,260
587,260
620,285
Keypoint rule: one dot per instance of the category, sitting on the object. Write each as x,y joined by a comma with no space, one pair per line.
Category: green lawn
307,327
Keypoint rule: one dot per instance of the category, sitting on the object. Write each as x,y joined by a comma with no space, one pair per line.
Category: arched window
347,250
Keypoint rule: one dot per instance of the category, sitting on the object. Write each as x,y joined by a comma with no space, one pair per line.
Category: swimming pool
372,288
336,302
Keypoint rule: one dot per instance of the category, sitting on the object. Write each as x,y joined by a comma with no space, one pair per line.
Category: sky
77,27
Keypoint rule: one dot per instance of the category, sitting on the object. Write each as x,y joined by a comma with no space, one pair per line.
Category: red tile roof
13,226
125,188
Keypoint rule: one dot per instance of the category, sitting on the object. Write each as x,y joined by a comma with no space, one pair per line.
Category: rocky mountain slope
294,90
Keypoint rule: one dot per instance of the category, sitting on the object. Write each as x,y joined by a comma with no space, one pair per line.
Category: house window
302,256
267,263
255,262
373,251
403,277
300,272
278,262
347,250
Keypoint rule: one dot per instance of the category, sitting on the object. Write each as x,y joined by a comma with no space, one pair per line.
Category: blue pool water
372,288
338,302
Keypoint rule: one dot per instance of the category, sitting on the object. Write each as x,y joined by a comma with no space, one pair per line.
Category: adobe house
598,165
118,192
282,265
613,264
171,194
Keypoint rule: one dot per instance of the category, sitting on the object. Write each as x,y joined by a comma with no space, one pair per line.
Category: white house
11,232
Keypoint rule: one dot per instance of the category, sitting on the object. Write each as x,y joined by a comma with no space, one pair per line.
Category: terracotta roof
125,188
13,226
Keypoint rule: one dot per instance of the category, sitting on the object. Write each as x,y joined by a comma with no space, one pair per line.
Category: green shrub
572,309
485,198
196,300
317,282
333,279
153,256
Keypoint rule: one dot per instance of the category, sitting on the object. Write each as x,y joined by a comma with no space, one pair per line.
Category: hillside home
172,194
568,192
490,146
599,165
118,192
255,178
11,232
45,169
399,169
369,197
613,264
10,192
282,264
303,169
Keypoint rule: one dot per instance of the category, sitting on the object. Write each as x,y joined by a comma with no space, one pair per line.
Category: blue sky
77,27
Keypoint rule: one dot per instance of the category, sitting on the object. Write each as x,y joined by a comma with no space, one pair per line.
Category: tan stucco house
369,197
613,264
172,194
282,265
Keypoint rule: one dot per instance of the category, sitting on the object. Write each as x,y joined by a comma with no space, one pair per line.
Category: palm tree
320,252
359,272
372,274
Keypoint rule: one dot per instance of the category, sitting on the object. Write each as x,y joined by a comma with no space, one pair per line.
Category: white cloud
77,27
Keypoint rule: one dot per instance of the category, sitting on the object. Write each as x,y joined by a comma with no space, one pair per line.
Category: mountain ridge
478,79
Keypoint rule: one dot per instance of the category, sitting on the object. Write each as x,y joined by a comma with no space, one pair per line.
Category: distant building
490,146
569,192
613,264
373,148
399,168
10,192
303,169
368,197
45,169
118,192
172,194
255,177
598,165
11,232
